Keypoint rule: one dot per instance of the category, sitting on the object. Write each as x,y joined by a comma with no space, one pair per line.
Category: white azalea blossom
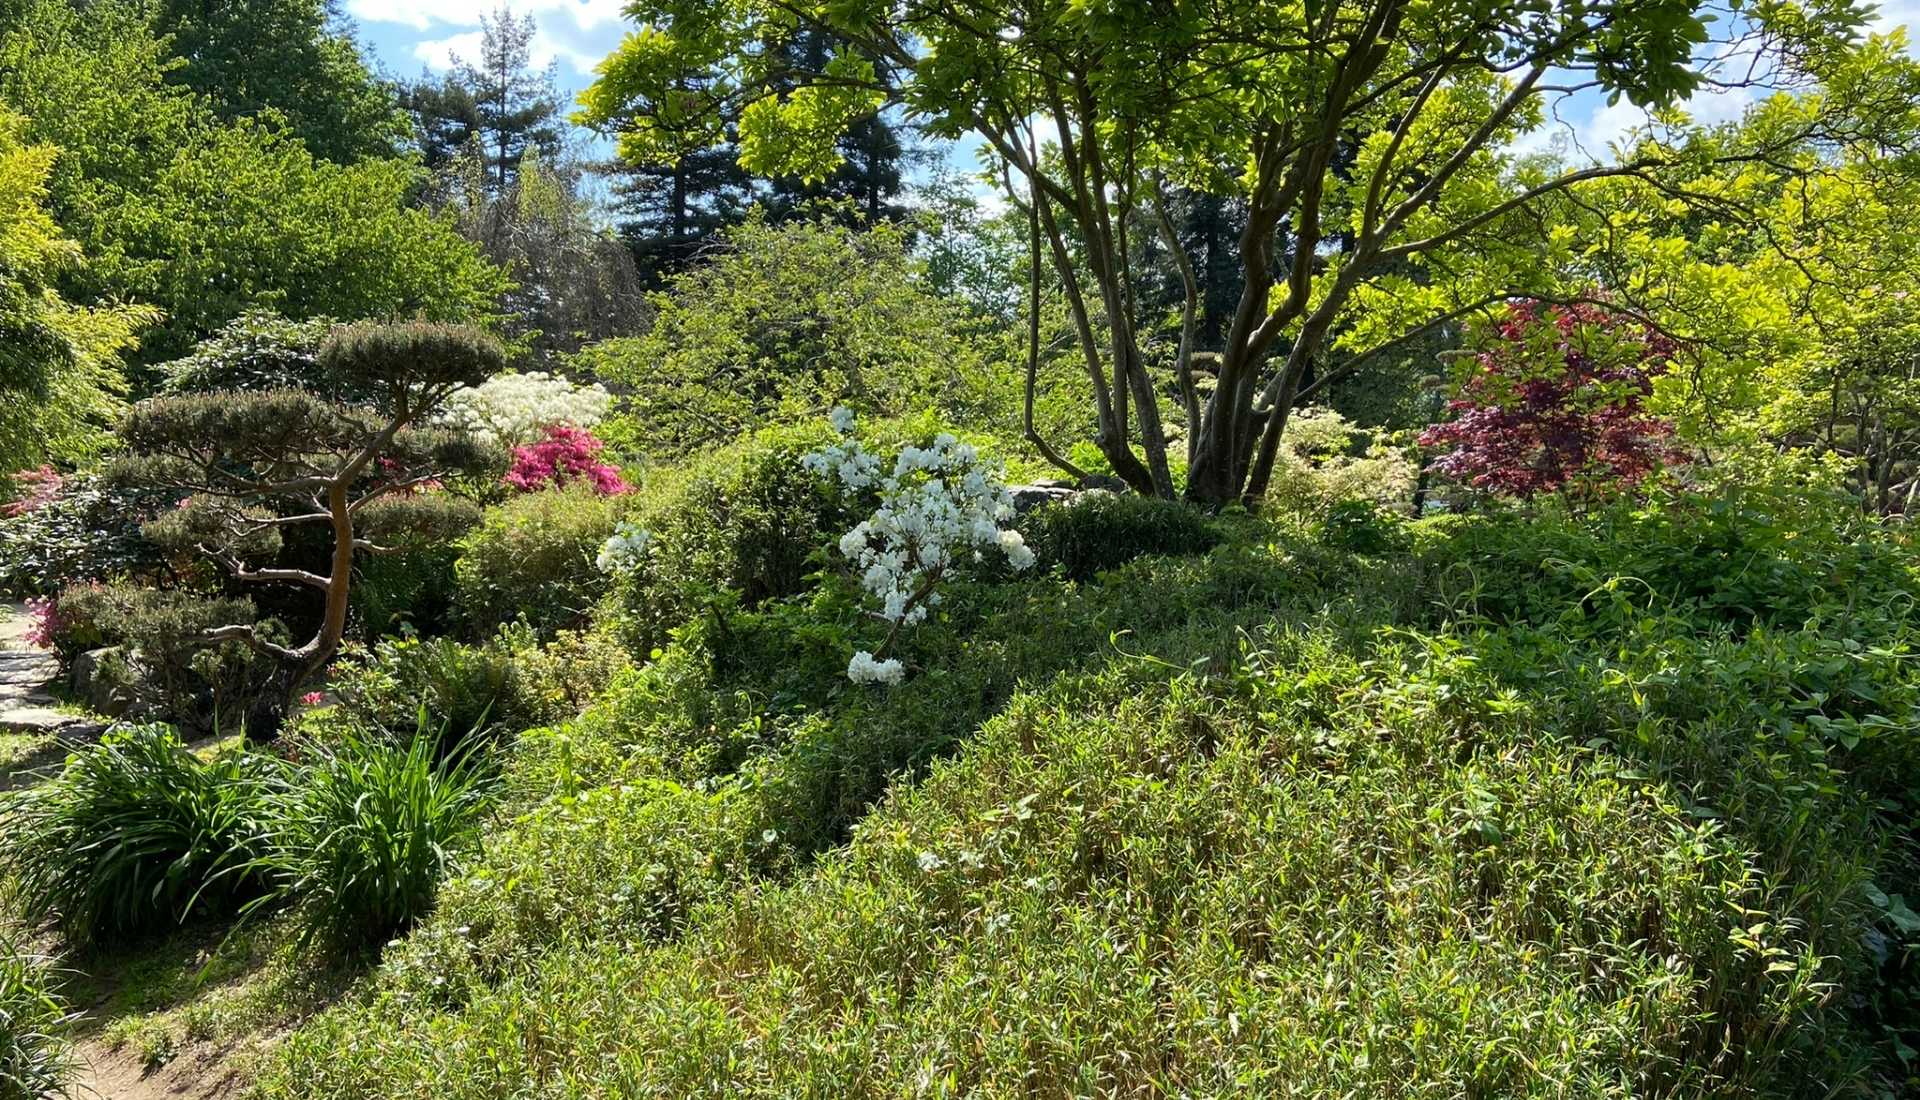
864,669
940,505
514,409
625,549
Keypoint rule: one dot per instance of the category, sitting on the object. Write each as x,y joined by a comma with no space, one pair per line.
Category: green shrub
1324,459
1097,531
411,592
1735,553
532,557
36,1057
560,679
137,834
90,531
161,662
746,519
1363,527
362,838
258,350
509,682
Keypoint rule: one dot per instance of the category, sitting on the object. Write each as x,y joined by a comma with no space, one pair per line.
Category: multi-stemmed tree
251,465
1370,142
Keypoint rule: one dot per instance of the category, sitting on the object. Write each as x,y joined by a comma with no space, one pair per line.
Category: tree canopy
206,219
286,56
1368,139
60,371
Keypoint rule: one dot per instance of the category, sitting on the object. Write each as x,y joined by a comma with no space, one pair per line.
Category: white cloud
422,14
440,53
577,33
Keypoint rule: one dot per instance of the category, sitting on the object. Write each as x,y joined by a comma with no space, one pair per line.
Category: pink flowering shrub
45,625
567,454
56,624
1556,401
33,490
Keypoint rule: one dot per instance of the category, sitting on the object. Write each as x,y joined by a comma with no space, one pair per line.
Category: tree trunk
333,625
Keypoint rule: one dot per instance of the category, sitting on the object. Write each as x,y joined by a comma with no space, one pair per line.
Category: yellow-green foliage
60,380
1325,459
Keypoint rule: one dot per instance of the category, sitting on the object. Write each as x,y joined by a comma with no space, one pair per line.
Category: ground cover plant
35,1059
1575,851
1041,549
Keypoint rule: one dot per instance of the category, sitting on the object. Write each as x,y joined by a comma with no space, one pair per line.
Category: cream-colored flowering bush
942,507
514,409
1318,466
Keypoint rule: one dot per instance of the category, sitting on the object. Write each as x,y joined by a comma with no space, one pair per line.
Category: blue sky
407,35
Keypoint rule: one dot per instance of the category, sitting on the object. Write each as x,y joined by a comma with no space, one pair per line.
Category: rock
1028,497
23,671
44,719
100,694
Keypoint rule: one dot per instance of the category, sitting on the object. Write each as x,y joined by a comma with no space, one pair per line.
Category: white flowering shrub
625,549
514,409
942,507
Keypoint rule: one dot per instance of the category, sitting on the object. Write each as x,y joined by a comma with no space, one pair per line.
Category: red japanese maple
34,489
1555,400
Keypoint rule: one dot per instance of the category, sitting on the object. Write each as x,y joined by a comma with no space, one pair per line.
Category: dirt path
108,1074
30,712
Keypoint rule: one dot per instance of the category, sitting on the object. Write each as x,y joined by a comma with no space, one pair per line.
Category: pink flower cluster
565,455
1556,402
47,626
36,489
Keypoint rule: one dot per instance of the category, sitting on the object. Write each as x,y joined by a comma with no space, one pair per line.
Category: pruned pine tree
252,465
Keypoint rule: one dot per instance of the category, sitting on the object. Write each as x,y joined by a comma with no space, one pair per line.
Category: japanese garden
885,548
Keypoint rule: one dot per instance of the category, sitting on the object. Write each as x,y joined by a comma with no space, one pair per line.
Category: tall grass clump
362,841
35,1053
136,834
